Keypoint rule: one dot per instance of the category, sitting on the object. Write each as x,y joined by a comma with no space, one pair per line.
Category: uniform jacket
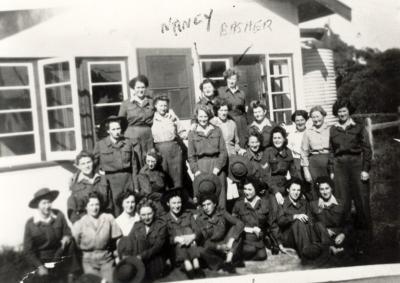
185,224
288,210
265,132
237,100
151,182
138,115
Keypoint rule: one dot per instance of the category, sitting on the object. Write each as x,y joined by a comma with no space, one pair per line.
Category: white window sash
68,154
221,59
8,161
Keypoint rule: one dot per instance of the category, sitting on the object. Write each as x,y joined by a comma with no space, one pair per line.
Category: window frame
288,59
227,61
124,83
26,158
60,155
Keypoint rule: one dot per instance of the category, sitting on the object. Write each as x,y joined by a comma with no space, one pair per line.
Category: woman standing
48,239
315,149
352,162
261,123
227,126
295,136
139,112
209,96
129,216
207,150
96,234
237,99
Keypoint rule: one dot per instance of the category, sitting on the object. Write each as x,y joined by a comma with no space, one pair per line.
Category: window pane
17,145
104,73
14,76
16,122
101,113
167,71
62,141
15,99
61,118
179,101
279,67
282,116
56,73
213,69
280,101
107,94
59,95
280,84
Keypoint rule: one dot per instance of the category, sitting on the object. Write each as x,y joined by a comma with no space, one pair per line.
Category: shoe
190,274
228,267
199,273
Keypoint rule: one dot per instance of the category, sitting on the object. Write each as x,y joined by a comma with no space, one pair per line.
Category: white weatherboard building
64,67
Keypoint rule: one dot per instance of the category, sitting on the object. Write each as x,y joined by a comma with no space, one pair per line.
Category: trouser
119,182
207,165
145,138
172,162
241,125
253,248
318,167
298,236
100,263
215,258
306,187
349,187
322,235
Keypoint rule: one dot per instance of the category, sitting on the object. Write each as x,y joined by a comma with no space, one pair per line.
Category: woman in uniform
261,123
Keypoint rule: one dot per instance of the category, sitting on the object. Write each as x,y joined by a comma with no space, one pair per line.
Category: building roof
313,9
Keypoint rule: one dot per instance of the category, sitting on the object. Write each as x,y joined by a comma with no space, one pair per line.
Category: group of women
255,186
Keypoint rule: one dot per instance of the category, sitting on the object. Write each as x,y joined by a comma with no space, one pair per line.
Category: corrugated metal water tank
319,80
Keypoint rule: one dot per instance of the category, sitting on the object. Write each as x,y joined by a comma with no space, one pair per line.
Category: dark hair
302,113
171,194
324,180
229,73
140,78
257,184
319,109
204,197
206,110
343,102
218,103
145,202
83,154
254,133
95,195
207,81
257,103
282,131
161,97
107,124
126,195
154,153
293,180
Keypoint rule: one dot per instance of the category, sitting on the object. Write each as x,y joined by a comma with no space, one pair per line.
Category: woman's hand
241,151
331,232
42,271
65,241
364,176
230,242
301,217
197,173
257,231
307,175
279,198
332,175
216,171
339,239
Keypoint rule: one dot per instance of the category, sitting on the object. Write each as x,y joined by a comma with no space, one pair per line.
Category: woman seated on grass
183,233
220,234
331,224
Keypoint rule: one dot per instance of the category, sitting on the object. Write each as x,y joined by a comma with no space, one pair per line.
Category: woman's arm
158,245
192,154
223,153
29,246
123,110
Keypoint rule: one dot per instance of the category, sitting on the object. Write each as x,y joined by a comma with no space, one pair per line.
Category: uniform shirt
237,99
80,188
184,224
230,134
295,138
43,238
136,114
331,214
253,216
351,140
126,222
151,182
289,209
165,128
264,128
96,235
201,145
315,141
215,227
260,164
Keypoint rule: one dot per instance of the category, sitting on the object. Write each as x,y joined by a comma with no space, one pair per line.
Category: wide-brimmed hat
43,193
206,183
113,118
129,270
239,167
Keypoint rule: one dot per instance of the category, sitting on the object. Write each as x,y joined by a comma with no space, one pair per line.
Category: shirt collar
348,123
37,217
323,127
232,90
82,177
265,122
253,202
331,201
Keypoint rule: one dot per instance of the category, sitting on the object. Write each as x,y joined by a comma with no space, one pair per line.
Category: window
170,72
108,88
19,139
61,123
214,69
280,96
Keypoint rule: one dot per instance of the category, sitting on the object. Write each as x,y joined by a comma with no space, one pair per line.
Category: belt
323,151
125,170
